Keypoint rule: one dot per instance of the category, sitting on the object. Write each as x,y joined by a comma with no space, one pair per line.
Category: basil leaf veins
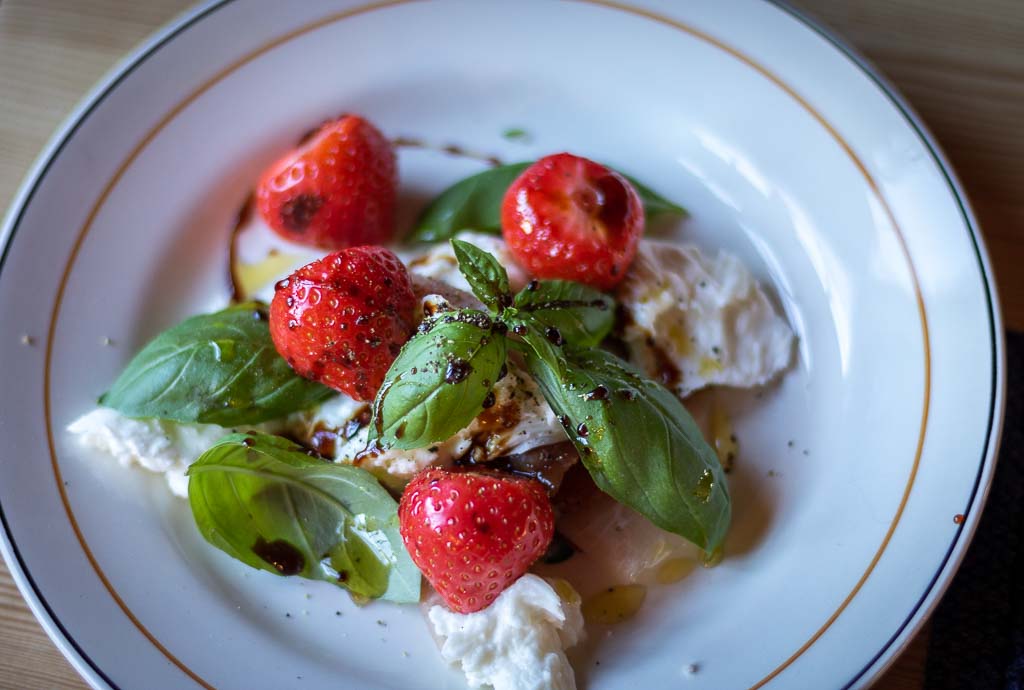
219,368
485,275
579,314
439,382
262,500
636,439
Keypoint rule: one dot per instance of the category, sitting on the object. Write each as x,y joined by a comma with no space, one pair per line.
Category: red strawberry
571,218
474,534
342,320
336,190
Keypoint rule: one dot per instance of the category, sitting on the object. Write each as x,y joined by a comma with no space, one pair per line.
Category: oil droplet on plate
253,277
674,570
614,604
565,590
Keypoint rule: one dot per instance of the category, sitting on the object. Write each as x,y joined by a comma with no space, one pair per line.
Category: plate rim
88,669
964,535
945,571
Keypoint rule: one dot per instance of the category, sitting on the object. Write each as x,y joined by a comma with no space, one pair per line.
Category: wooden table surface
961,65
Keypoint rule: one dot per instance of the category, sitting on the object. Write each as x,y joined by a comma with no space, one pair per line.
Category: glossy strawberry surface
343,319
336,189
570,218
473,534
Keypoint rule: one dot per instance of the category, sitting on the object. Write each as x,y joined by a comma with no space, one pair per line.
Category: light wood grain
961,64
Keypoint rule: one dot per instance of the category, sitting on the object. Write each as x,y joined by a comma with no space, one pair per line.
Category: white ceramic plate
785,147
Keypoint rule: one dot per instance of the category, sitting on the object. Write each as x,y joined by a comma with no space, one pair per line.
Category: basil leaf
485,275
637,441
515,134
580,314
474,203
439,381
218,368
262,500
655,204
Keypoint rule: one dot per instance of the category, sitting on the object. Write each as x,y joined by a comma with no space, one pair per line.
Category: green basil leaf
655,204
515,134
217,368
473,203
439,381
580,314
485,275
261,499
637,441
538,345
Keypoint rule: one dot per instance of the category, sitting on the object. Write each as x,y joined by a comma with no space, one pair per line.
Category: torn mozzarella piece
519,641
695,321
157,445
439,262
435,296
